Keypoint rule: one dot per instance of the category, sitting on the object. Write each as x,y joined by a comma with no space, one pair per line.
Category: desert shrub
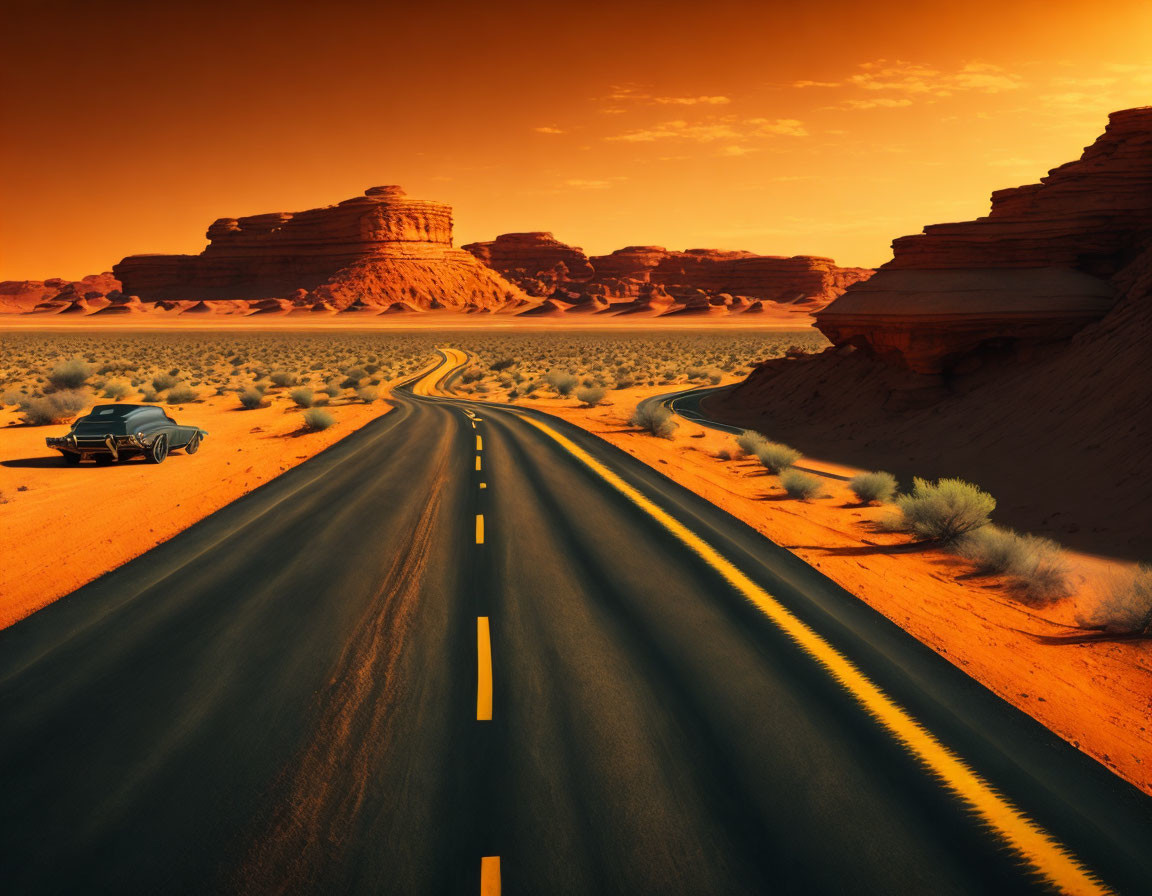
799,485
724,454
776,457
54,408
116,390
502,364
1125,608
750,441
869,487
1036,567
251,398
11,397
332,390
182,393
148,396
353,376
118,365
368,394
70,374
944,510
303,397
316,419
654,419
282,378
163,381
590,395
624,381
561,380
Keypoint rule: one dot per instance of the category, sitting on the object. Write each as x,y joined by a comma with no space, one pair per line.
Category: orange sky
825,128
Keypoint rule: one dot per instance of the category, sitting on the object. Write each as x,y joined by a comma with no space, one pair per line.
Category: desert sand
137,505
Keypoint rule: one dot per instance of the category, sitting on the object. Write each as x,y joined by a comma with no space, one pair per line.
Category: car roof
121,411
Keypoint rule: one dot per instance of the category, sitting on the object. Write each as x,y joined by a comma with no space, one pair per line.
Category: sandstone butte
372,251
659,280
1047,260
1058,429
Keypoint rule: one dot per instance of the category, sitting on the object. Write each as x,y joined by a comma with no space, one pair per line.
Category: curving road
472,648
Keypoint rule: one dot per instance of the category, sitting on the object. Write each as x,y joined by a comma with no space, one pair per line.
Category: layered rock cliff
1036,270
695,279
372,250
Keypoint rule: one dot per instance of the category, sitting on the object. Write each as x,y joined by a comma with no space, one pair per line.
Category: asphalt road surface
471,649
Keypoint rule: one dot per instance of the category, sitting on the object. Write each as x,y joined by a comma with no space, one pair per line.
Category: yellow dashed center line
483,485
477,461
1051,859
490,876
479,528
479,443
483,670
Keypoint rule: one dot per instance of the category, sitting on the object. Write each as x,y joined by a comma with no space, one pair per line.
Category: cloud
728,127
880,102
548,130
691,100
910,78
579,183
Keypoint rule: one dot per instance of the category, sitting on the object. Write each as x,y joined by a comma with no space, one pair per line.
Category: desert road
473,649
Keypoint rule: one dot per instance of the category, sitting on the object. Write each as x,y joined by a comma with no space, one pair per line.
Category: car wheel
70,459
193,446
158,450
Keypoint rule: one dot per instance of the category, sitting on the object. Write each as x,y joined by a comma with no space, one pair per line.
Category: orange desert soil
53,545
1097,696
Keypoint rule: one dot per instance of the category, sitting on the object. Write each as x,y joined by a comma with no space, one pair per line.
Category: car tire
158,450
193,446
70,459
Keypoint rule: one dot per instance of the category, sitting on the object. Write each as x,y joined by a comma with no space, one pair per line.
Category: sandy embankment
64,526
1097,696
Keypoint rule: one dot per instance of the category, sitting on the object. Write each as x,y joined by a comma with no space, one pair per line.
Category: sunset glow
826,129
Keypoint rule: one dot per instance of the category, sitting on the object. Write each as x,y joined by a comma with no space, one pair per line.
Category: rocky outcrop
373,250
1036,270
19,296
545,267
538,257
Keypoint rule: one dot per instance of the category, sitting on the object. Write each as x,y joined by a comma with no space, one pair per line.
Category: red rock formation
1035,270
543,266
19,296
538,256
375,249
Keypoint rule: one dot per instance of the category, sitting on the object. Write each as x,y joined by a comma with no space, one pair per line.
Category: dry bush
55,408
316,419
70,374
654,419
750,440
251,398
776,457
1125,608
182,393
590,395
303,397
942,511
1037,568
873,487
800,485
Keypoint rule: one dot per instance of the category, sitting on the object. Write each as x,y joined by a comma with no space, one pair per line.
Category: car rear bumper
92,446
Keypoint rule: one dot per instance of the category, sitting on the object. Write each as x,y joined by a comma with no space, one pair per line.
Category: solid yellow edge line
1030,841
490,876
483,670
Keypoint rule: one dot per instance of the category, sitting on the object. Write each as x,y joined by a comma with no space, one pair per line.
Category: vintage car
112,432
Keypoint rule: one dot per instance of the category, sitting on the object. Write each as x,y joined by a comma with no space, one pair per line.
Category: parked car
112,432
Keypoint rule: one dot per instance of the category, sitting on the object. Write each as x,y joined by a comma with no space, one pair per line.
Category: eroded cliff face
1036,270
371,250
55,294
656,280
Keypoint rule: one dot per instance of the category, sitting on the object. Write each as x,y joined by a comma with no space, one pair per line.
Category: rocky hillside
655,280
1059,429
